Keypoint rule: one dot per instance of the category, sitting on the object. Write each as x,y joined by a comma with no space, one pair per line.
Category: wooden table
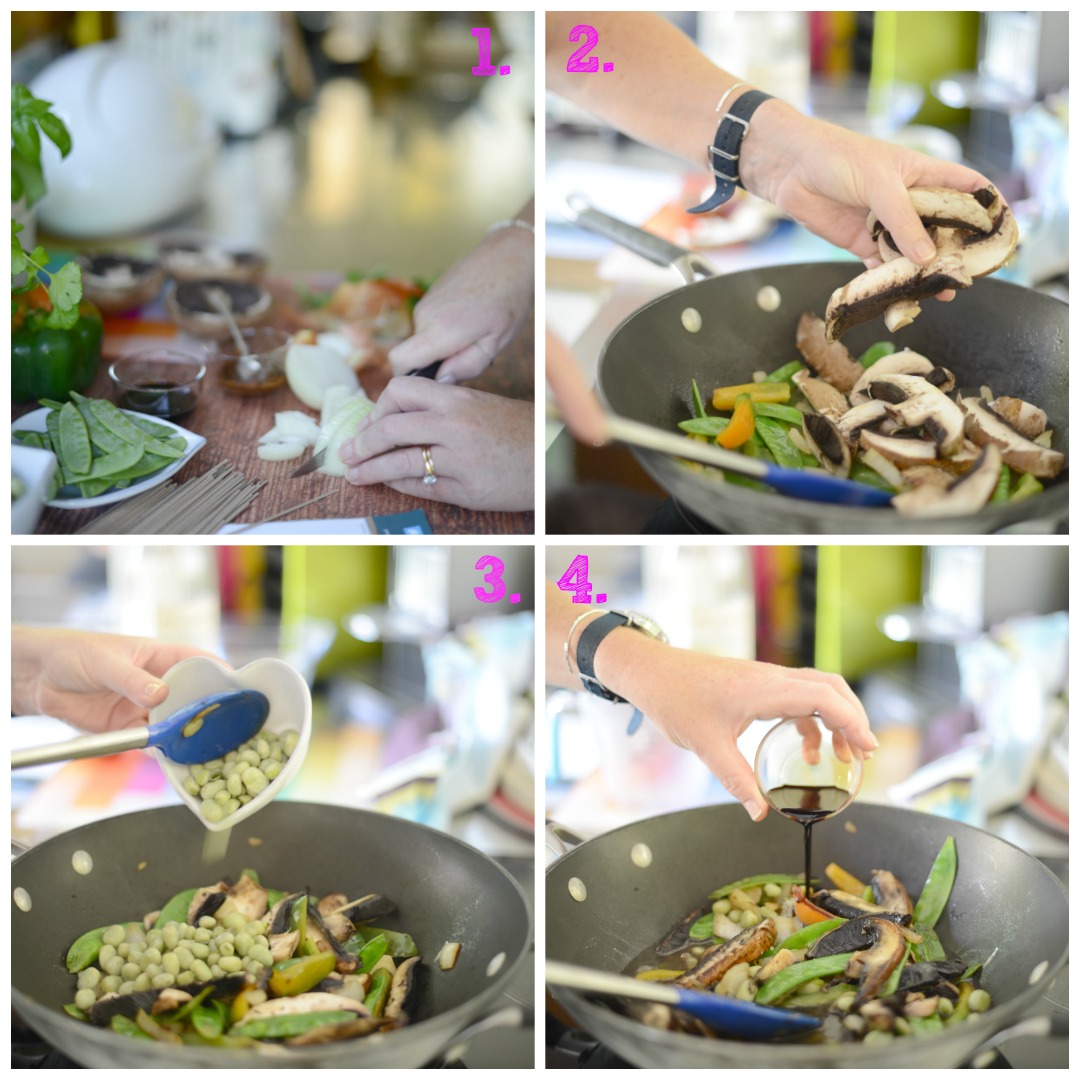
232,426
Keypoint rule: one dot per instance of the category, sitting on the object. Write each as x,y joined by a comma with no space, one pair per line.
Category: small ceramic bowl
290,707
158,382
266,346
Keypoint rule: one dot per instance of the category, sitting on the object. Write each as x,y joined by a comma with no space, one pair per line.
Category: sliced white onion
1045,438
282,451
986,393
333,399
796,436
342,427
312,369
297,424
888,472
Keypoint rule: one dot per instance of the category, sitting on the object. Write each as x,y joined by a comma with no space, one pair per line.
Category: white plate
290,707
35,469
35,421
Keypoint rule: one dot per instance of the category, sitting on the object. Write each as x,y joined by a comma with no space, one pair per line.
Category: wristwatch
595,632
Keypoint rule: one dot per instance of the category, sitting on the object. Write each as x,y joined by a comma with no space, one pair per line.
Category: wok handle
108,742
512,1016
559,839
688,264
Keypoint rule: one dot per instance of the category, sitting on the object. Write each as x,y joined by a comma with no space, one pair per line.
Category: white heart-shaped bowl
290,707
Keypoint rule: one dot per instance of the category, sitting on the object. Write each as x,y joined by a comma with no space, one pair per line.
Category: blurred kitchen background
330,141
422,695
959,654
986,88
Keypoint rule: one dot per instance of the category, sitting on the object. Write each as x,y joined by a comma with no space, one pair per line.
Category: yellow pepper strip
297,976
741,428
843,880
657,975
723,397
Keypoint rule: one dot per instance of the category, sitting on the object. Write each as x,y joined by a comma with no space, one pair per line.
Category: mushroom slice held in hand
966,249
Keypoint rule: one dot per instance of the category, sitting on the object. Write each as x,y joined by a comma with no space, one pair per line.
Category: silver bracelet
570,634
511,223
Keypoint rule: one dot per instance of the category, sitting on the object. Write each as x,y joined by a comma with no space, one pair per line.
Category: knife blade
315,461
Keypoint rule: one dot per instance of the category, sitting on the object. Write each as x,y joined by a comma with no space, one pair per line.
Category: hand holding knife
315,461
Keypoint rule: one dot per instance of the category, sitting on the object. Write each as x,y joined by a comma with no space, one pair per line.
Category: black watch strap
723,155
588,642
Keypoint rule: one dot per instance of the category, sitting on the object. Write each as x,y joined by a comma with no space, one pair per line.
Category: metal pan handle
688,264
559,839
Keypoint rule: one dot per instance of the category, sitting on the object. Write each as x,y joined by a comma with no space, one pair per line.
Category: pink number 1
483,34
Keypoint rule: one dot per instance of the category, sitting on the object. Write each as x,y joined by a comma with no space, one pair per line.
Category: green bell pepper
47,362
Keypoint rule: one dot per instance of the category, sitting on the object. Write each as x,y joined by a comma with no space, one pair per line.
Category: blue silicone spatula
200,731
798,483
726,1015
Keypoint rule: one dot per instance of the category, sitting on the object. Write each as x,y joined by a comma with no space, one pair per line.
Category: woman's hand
98,682
481,445
825,178
704,703
577,404
474,310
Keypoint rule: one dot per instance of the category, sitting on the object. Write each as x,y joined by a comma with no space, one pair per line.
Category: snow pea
709,426
784,982
375,1000
109,465
930,949
809,934
699,407
75,1011
209,1020
124,1025
925,1025
100,435
176,909
372,952
1026,486
784,413
783,449
1001,488
85,950
970,971
822,997
284,1027
876,352
702,929
399,946
273,896
893,981
757,879
785,371
939,883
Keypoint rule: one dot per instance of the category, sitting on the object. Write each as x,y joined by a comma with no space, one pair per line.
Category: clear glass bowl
261,371
158,382
805,771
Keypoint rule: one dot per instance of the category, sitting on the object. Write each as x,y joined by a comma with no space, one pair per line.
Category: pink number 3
577,61
493,577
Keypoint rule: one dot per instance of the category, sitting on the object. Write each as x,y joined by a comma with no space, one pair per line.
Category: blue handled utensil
200,731
729,1016
798,483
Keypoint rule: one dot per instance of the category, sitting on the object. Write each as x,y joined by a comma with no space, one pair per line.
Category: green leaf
56,131
65,292
24,134
16,187
30,176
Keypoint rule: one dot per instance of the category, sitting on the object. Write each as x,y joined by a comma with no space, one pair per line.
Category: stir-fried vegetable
887,419
233,964
869,974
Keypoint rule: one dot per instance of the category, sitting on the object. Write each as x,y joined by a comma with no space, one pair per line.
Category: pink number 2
577,61
493,577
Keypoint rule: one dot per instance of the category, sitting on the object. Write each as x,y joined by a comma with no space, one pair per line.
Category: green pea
85,999
114,935
212,811
271,769
235,785
231,963
89,978
166,978
254,781
110,984
201,971
979,1001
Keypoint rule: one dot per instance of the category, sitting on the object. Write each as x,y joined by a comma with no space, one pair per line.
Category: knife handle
429,371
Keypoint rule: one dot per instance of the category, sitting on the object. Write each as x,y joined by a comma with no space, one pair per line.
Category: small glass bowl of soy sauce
158,382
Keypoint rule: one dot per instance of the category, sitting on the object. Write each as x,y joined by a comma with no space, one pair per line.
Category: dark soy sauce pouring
808,805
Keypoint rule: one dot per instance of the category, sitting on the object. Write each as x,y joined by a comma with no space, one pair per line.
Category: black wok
1012,339
445,891
1005,908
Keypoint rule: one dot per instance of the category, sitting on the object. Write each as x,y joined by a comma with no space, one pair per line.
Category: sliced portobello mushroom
1027,419
190,306
904,453
904,362
829,359
822,395
914,402
943,206
190,260
965,495
984,427
117,283
827,444
867,414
